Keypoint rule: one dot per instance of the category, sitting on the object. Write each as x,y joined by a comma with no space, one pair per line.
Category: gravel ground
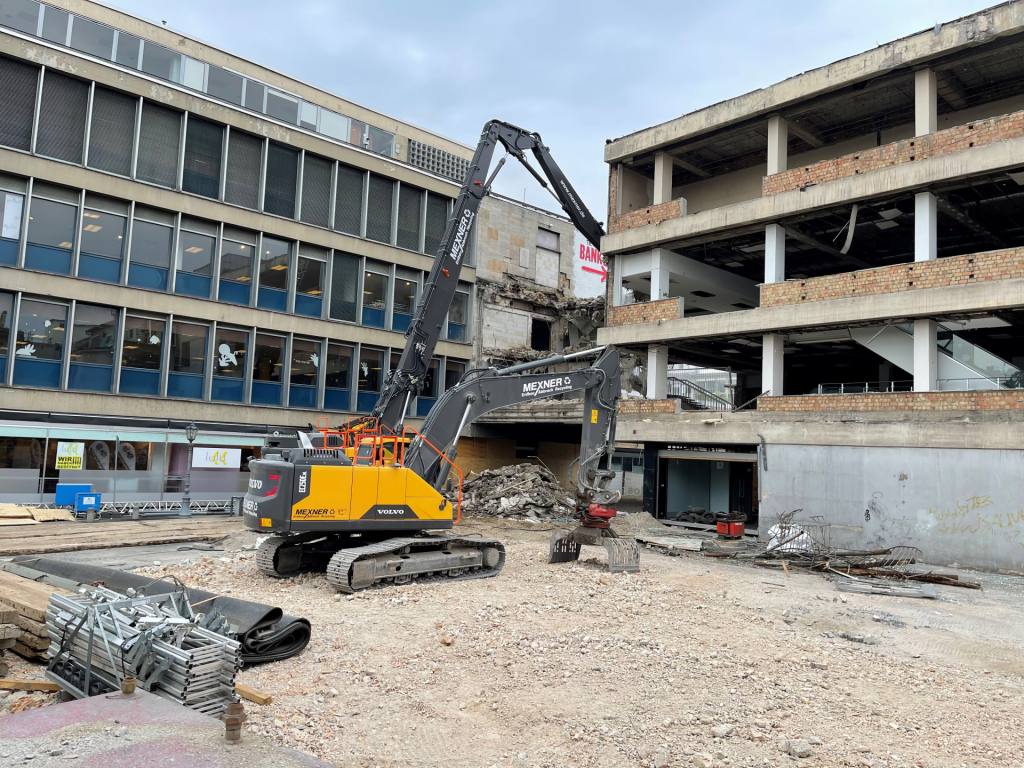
694,661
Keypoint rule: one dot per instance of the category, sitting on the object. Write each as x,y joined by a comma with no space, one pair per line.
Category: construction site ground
694,661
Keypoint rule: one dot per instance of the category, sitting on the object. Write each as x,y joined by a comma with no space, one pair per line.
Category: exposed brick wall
990,400
954,270
638,406
645,312
944,142
652,214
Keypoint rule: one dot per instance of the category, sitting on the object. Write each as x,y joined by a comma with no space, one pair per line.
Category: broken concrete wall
957,506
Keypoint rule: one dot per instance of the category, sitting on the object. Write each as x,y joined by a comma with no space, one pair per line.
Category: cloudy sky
578,73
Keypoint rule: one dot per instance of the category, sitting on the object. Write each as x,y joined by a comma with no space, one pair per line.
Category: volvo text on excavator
356,501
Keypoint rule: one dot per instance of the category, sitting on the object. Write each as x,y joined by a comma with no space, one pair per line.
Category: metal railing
863,387
696,394
978,383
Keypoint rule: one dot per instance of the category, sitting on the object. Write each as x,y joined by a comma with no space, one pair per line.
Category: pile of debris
528,491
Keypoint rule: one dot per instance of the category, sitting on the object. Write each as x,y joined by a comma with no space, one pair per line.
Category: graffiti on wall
972,516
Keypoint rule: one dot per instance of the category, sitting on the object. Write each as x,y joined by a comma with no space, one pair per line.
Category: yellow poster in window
69,455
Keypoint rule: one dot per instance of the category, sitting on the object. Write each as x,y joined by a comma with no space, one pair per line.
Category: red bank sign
591,256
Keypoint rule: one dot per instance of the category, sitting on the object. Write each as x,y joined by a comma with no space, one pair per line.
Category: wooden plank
28,653
8,522
41,539
9,511
28,685
49,515
27,597
251,694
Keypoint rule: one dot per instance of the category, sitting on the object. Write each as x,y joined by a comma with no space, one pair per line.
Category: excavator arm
407,379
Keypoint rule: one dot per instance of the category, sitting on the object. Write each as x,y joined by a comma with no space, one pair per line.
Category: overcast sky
577,73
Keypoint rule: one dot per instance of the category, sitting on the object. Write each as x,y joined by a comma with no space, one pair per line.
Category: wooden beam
28,685
796,234
251,694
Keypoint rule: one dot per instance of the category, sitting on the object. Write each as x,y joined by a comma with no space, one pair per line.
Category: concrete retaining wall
957,506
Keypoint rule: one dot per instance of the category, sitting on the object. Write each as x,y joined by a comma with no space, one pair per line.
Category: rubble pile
517,491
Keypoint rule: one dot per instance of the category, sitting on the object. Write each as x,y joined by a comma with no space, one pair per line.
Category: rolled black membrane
265,633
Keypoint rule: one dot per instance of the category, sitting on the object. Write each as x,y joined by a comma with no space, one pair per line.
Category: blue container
66,493
86,501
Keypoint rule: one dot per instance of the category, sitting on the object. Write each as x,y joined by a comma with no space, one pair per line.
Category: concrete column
926,227
662,178
616,272
926,115
926,355
774,254
657,372
659,274
771,364
778,144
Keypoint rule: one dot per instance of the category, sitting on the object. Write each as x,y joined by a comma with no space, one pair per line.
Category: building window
547,239
51,236
410,204
379,208
39,348
229,365
92,38
316,191
338,378
128,47
302,378
453,372
22,15
274,262
113,131
437,220
375,294
245,158
102,246
282,175
204,143
11,207
370,364
195,264
93,337
428,395
458,317
254,95
334,125
159,138
381,142
6,317
161,62
188,360
18,95
344,287
309,286
266,369
61,131
283,107
235,272
224,85
141,355
55,25
150,255
348,202
406,285
540,335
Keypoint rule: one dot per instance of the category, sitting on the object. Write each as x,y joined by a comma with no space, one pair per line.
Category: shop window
141,355
150,256
204,143
11,207
112,132
229,365
6,317
348,201
93,336
309,287
188,360
51,236
344,287
406,285
453,372
380,203
18,95
370,364
21,466
275,259
268,358
102,246
458,317
375,294
410,203
305,367
195,264
282,175
337,378
428,395
235,272
39,345
245,159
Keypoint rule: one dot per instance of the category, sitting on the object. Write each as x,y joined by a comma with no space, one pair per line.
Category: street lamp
191,433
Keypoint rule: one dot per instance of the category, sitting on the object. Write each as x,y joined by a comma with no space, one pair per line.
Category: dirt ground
694,661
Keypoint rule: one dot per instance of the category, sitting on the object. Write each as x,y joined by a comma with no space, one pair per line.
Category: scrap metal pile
99,638
528,491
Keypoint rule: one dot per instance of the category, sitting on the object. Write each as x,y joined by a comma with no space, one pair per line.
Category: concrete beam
774,254
979,161
662,178
688,166
778,144
772,378
951,90
915,50
796,234
802,133
657,372
988,297
926,227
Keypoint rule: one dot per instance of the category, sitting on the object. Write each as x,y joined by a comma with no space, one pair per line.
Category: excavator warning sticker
319,513
593,416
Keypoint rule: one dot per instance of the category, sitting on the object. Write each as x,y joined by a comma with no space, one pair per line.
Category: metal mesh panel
112,132
437,160
203,146
410,203
62,118
378,209
18,96
282,170
159,137
245,156
348,204
437,220
316,191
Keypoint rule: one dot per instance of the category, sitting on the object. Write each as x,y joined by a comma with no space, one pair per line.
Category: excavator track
399,560
277,557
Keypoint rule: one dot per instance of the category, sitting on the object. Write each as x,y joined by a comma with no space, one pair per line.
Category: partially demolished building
847,243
